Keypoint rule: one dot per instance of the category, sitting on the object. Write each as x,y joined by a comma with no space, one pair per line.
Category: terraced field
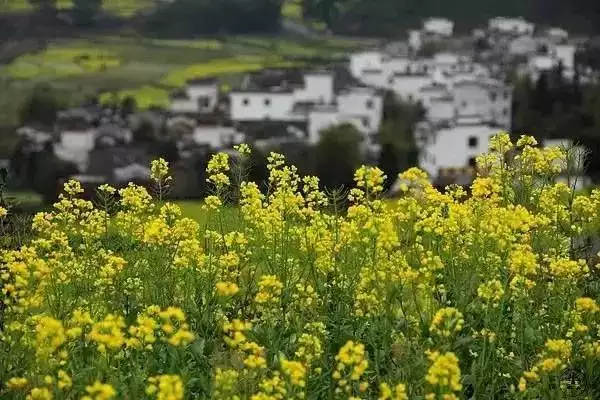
149,69
124,8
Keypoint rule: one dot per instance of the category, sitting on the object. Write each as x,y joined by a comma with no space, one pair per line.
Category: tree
41,107
396,136
144,132
43,6
85,11
338,155
128,106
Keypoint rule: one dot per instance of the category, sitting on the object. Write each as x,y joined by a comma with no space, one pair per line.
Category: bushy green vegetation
441,296
62,61
124,8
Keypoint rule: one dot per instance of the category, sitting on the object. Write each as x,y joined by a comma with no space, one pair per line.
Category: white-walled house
366,60
318,87
489,99
77,140
315,104
539,64
523,46
280,104
198,96
408,86
557,35
364,103
361,107
217,137
456,146
441,27
323,117
255,105
565,53
511,26
415,40
441,111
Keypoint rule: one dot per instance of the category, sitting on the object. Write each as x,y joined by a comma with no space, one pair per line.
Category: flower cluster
280,291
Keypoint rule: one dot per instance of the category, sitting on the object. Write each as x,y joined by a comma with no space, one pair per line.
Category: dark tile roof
203,81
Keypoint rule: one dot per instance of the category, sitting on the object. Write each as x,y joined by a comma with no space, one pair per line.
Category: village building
199,96
511,26
312,106
438,27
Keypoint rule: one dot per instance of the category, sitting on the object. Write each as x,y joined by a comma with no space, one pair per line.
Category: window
472,162
505,111
203,102
493,96
473,141
365,122
267,102
246,101
506,95
369,104
463,104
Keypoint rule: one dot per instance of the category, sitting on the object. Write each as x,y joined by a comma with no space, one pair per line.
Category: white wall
195,91
523,45
439,26
364,60
255,106
77,140
375,78
408,87
451,149
566,54
362,103
429,92
517,26
215,136
501,105
317,88
181,105
471,98
321,119
440,110
414,40
395,64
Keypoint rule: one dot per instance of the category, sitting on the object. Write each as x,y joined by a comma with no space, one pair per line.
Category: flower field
124,8
455,295
62,61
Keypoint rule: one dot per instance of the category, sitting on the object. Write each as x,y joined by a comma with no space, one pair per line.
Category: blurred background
95,89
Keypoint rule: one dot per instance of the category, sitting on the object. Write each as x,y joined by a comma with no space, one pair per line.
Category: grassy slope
121,63
124,8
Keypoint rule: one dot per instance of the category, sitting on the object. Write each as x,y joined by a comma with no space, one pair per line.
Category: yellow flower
227,288
16,383
447,322
586,305
295,371
243,149
64,380
3,212
159,170
99,391
50,335
39,394
165,387
444,372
